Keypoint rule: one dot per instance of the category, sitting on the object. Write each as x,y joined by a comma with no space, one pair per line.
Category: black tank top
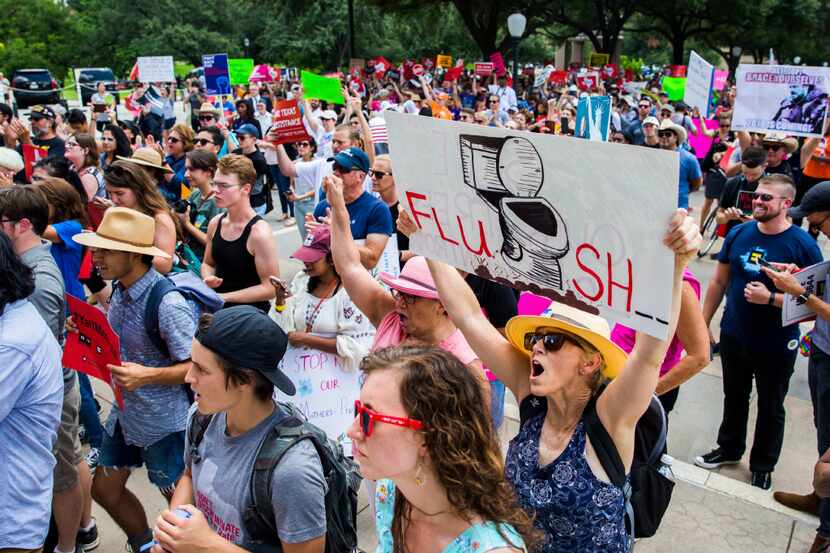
234,264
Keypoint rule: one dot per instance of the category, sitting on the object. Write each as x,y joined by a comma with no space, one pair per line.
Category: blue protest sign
217,75
593,118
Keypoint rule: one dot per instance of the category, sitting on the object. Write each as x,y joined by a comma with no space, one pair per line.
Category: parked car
35,86
89,77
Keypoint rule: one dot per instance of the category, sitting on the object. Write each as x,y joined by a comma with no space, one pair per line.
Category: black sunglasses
337,168
173,139
303,144
665,134
773,147
203,141
553,341
205,118
379,174
766,197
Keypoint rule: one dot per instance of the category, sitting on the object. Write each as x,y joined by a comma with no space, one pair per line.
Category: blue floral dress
480,538
577,512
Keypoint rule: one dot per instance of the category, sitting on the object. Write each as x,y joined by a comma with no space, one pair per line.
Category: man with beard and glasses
753,344
43,134
733,208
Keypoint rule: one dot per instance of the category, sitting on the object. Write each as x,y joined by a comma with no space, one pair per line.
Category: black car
35,86
89,77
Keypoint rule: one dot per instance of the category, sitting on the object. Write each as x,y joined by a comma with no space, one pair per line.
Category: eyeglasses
173,139
407,299
766,197
817,227
368,418
773,147
222,186
553,341
72,145
379,174
665,134
203,141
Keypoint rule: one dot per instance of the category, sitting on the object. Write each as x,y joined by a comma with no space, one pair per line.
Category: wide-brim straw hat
147,157
591,328
790,143
125,230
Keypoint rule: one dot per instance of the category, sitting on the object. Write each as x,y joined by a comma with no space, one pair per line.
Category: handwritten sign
289,122
217,75
573,220
699,79
781,98
94,346
156,69
325,391
814,281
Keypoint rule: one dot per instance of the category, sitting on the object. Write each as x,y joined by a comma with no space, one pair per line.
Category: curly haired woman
423,431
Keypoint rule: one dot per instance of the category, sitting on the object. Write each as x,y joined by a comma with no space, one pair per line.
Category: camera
181,206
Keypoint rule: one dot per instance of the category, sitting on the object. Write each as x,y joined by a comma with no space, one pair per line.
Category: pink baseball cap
317,244
415,279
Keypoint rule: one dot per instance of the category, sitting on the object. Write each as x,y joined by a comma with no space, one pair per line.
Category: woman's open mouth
536,368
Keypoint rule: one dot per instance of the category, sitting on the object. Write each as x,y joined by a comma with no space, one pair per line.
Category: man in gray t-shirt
215,487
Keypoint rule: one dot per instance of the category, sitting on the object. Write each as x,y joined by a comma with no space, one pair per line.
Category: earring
419,477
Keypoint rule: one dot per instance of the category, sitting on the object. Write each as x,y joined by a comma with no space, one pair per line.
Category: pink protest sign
700,142
720,78
498,63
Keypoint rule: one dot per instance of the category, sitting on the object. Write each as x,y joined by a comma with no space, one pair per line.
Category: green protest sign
240,69
675,87
322,88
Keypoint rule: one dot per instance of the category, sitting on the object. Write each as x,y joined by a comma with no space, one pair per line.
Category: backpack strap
604,446
195,433
151,312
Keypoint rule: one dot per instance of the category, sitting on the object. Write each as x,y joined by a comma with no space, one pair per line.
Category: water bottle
666,462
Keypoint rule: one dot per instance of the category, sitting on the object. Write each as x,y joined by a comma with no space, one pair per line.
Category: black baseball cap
41,112
246,337
816,199
753,156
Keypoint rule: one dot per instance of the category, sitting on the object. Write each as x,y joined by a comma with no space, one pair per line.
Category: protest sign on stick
498,64
322,88
699,79
217,76
288,121
240,70
94,346
577,221
156,69
781,98
593,118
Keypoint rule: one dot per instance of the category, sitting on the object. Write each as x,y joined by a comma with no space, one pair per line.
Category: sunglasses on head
203,141
551,340
368,418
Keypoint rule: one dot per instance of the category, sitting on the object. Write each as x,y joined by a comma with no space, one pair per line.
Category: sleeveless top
479,538
577,512
234,264
99,176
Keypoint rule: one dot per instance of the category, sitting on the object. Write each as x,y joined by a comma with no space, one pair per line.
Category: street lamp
516,27
797,60
247,43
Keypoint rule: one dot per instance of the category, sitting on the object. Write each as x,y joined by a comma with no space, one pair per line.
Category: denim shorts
164,459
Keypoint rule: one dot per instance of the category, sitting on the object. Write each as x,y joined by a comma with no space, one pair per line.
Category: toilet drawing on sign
507,173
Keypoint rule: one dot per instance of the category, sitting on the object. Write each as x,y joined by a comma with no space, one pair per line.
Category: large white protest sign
699,77
325,391
814,281
580,222
781,98
156,69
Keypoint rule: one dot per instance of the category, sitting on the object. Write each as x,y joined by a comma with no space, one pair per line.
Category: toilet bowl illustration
508,174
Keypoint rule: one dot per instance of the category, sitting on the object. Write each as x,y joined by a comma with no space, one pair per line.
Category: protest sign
720,78
700,142
31,155
576,221
322,88
217,77
559,77
156,69
443,61
498,63
542,76
288,121
598,60
781,98
593,118
94,346
699,79
264,74
239,69
814,281
675,87
326,392
588,80
484,68
611,71
417,69
390,259
453,74
676,71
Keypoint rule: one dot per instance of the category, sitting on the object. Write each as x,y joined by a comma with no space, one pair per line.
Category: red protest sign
558,77
453,74
31,155
94,346
611,71
417,69
677,71
288,122
484,68
587,81
498,63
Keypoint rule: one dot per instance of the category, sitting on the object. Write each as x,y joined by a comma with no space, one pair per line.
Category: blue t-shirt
68,255
689,170
759,326
367,215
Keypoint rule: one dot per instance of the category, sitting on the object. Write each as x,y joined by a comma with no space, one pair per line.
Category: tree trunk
678,42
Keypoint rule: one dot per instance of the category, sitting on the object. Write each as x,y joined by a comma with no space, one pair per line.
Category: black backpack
340,472
648,492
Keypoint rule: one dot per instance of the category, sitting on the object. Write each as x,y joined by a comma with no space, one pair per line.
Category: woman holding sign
560,369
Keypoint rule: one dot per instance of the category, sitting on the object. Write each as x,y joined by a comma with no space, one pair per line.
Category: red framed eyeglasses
368,418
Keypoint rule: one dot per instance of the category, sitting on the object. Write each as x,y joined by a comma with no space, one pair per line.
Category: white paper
699,76
814,281
578,221
156,69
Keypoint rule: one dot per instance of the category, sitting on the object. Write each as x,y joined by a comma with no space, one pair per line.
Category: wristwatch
771,298
804,297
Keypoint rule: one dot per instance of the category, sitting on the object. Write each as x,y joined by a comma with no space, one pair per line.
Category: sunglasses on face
203,141
644,106
727,127
304,144
379,174
665,134
773,147
340,169
368,418
173,139
766,197
552,341
205,118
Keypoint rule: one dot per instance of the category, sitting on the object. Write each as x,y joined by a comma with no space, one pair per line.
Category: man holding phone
753,167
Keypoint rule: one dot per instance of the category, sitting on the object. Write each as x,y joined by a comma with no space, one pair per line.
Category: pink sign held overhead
498,63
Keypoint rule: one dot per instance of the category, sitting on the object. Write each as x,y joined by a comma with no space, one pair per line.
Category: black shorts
713,184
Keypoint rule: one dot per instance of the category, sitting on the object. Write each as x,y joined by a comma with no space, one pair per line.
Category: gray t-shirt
49,296
221,483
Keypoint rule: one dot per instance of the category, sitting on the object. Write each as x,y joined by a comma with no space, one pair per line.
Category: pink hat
415,279
316,245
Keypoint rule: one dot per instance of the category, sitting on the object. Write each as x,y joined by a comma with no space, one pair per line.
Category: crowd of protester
160,222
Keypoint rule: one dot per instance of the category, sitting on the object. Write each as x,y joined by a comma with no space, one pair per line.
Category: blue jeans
819,380
497,402
164,459
89,413
301,208
283,184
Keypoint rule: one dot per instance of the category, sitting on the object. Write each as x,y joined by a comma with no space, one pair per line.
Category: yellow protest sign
598,60
443,61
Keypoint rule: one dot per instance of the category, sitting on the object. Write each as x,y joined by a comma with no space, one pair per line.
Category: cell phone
276,281
563,122
764,263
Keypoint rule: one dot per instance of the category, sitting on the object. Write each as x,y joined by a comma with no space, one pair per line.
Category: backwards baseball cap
246,337
816,199
41,112
352,158
249,129
316,245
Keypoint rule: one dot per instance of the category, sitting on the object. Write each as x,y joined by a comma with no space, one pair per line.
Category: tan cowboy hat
591,328
125,230
669,125
790,143
147,157
207,107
